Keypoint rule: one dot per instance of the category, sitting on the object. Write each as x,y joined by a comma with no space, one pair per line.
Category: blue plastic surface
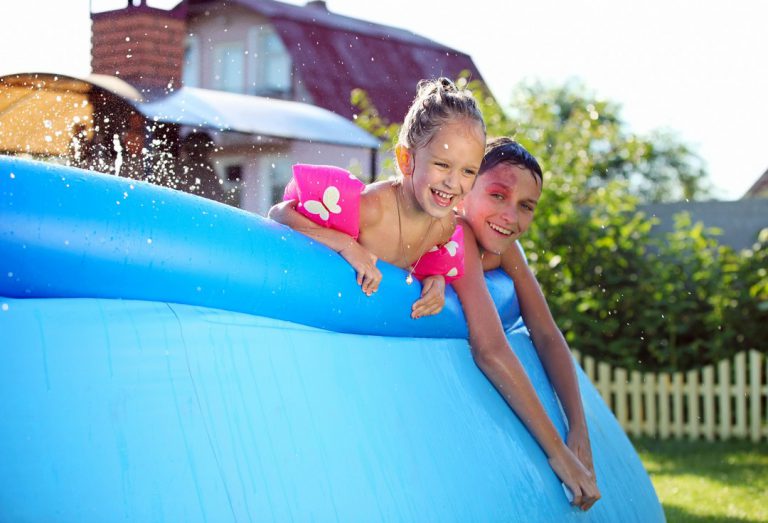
171,359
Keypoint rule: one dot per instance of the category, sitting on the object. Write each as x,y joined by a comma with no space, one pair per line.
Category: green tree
588,142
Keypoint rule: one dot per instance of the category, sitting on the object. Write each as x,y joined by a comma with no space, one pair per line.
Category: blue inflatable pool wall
167,358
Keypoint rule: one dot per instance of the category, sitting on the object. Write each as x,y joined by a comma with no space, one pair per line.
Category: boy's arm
362,260
552,349
495,358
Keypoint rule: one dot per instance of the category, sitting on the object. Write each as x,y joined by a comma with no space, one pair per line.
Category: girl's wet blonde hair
437,102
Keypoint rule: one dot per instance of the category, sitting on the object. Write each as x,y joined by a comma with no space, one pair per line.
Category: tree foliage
618,290
589,143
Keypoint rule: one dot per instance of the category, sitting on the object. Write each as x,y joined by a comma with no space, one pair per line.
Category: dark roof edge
179,12
318,16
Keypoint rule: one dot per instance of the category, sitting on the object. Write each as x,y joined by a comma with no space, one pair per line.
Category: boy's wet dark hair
506,150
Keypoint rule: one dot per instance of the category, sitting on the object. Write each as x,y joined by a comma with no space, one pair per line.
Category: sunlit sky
696,67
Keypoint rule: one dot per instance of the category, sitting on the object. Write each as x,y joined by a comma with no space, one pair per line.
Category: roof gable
759,188
334,54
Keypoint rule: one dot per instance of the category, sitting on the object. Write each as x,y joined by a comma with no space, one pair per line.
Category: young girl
438,155
495,213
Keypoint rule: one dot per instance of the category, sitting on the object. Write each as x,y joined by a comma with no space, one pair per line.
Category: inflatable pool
168,358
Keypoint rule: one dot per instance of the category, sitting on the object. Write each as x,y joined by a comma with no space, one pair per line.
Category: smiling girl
410,221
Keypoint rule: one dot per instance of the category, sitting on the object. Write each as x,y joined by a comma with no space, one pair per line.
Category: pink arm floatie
327,195
447,259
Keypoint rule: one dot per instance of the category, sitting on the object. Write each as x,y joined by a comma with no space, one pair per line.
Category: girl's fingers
371,279
426,309
375,279
367,283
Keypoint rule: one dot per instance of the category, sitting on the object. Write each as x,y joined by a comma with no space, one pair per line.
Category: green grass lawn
702,482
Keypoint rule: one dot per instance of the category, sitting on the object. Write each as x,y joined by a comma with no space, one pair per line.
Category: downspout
374,154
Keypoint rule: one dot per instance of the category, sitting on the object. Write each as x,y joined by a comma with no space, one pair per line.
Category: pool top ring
70,233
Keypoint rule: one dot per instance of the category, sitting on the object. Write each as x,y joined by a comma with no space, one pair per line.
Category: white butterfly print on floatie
452,247
330,204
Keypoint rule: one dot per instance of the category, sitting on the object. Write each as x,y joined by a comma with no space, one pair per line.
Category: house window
270,73
234,173
228,67
191,68
278,171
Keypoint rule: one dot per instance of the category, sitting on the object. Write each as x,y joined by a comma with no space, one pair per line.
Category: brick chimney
142,45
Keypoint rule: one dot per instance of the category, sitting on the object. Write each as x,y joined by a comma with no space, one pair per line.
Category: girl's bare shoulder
375,199
446,227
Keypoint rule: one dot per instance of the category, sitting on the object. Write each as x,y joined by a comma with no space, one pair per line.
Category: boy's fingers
577,498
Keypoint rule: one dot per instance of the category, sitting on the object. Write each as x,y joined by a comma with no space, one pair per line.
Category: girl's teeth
442,194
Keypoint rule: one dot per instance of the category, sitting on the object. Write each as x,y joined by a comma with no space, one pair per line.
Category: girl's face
444,171
500,207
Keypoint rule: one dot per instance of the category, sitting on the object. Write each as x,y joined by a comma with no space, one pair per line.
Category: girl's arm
552,349
495,358
432,297
360,258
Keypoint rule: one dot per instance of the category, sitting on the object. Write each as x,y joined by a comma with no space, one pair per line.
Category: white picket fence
727,400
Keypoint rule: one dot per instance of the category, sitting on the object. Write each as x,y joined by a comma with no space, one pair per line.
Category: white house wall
266,171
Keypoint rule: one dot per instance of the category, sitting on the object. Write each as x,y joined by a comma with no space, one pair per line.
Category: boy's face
501,206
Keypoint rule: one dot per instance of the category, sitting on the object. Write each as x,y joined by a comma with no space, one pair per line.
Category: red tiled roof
334,54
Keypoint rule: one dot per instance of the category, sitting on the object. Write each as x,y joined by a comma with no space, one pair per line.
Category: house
221,97
739,221
759,189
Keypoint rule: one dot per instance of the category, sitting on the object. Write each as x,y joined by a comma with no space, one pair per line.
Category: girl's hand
578,442
576,478
432,297
364,262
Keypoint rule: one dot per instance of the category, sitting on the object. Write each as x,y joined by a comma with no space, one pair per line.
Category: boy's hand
578,442
579,481
364,262
432,297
